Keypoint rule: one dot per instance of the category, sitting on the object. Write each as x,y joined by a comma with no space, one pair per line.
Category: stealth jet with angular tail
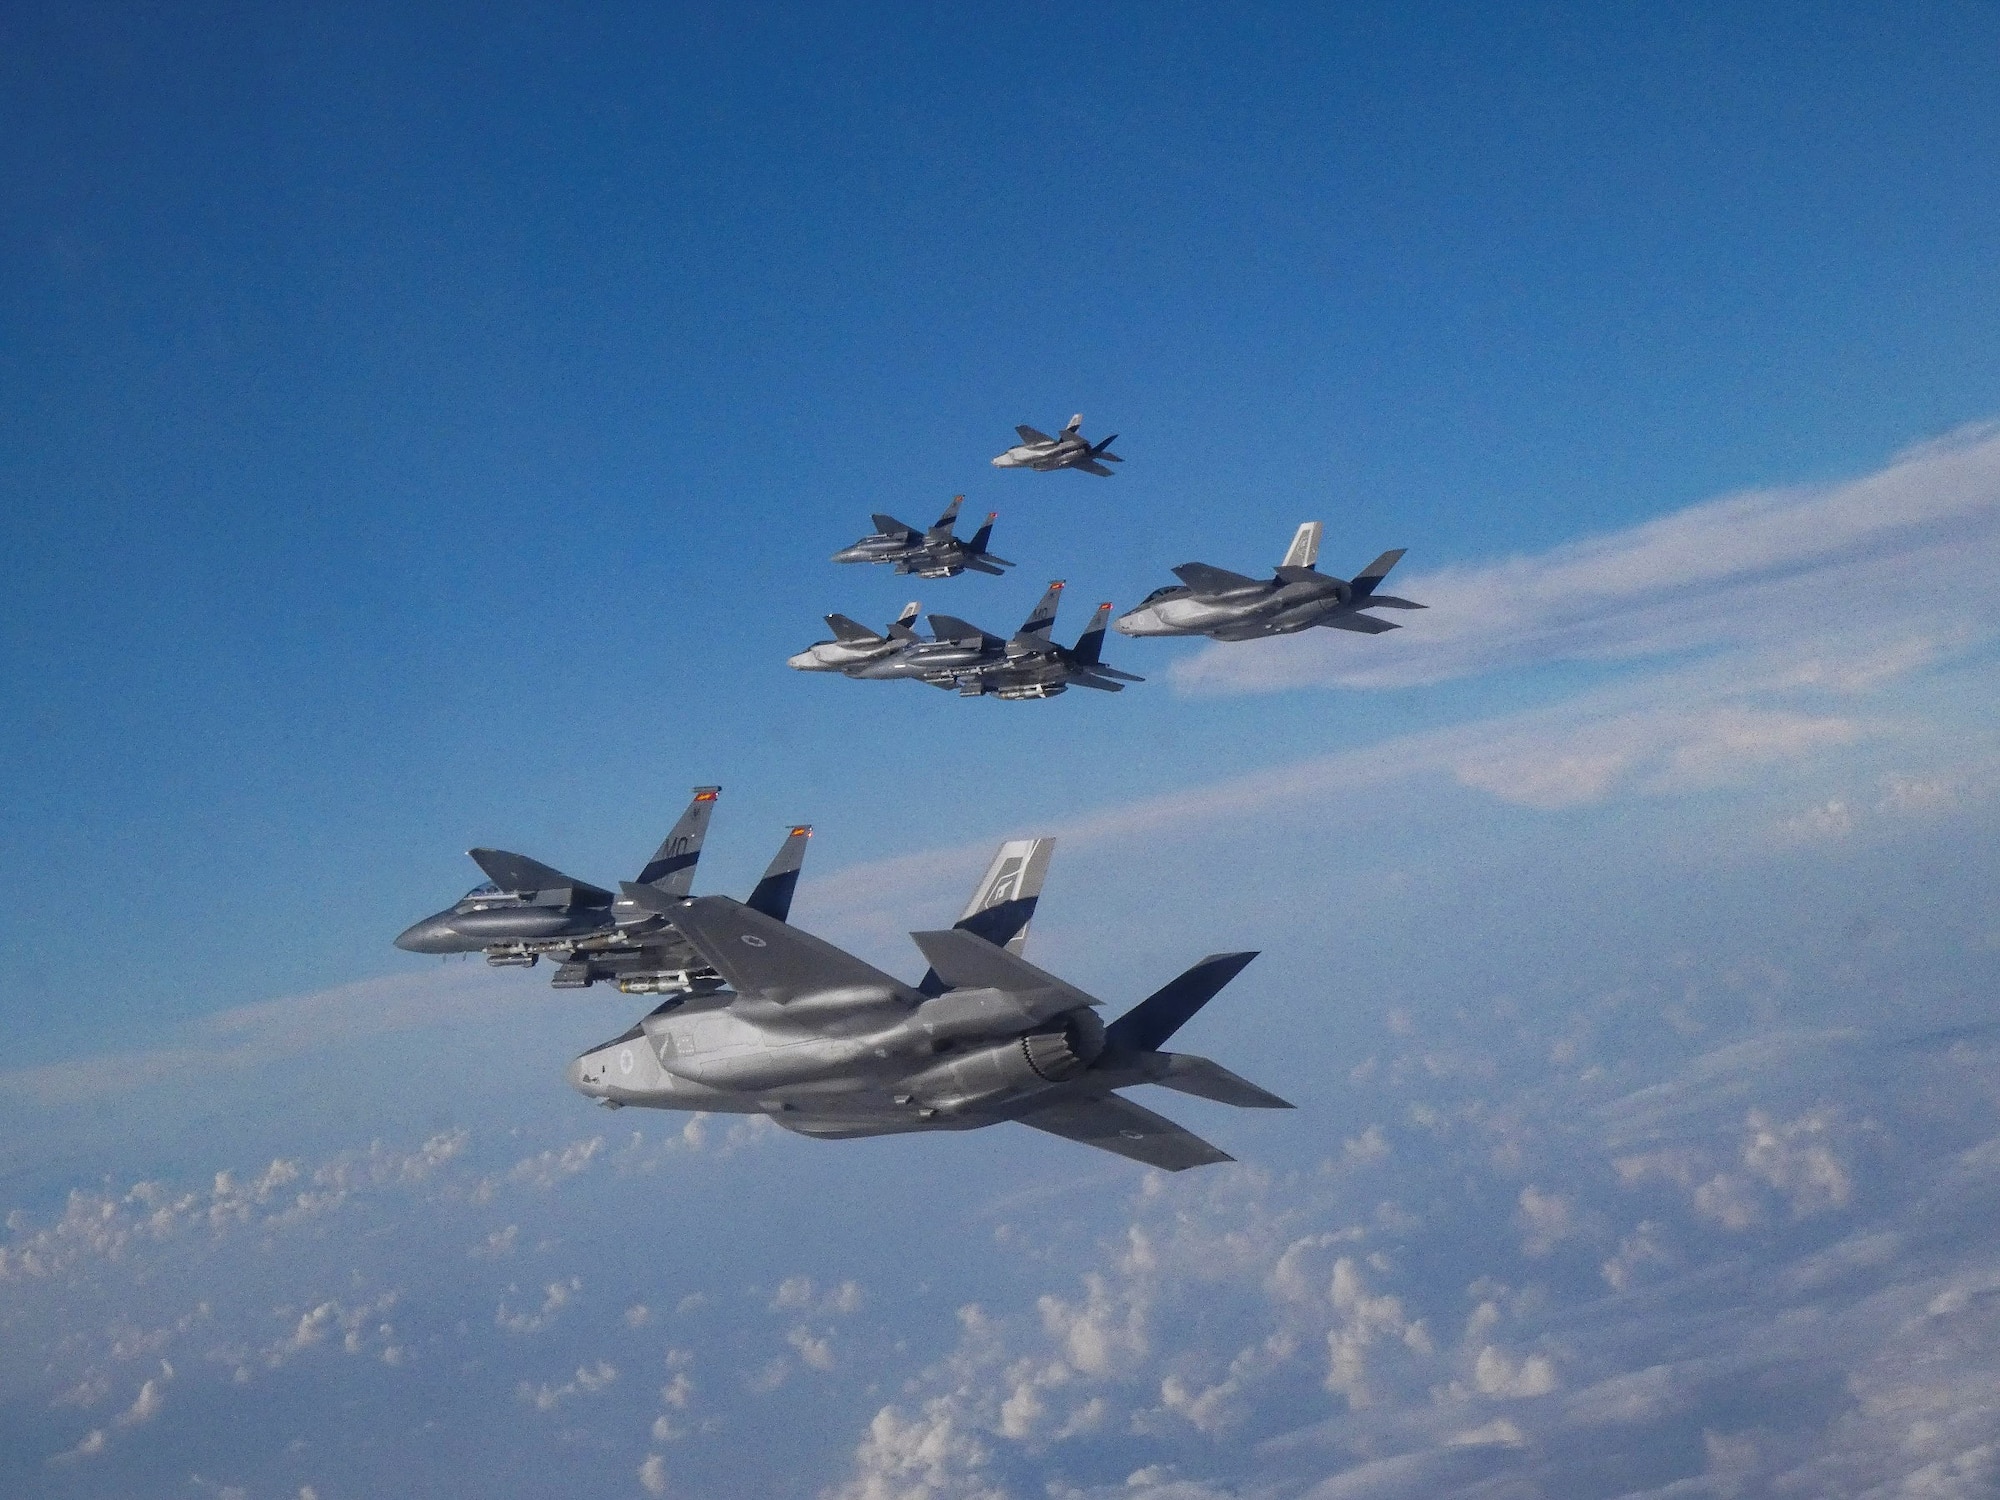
829,1046
1039,451
937,553
1227,606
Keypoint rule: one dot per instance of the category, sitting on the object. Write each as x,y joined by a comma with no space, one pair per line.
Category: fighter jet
937,553
855,645
829,1046
1028,664
1037,450
1230,607
527,910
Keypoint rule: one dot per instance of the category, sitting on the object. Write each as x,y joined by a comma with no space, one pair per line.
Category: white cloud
555,1297
587,1381
1547,1219
146,1405
653,1474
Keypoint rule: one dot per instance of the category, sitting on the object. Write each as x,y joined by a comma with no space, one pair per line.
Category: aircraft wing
1029,435
1366,624
1088,680
964,960
1204,579
951,628
1116,1124
766,958
525,876
890,526
1091,466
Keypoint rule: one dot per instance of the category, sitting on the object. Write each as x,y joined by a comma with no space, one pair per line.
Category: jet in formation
1037,450
829,1046
1227,606
937,553
527,911
961,657
854,645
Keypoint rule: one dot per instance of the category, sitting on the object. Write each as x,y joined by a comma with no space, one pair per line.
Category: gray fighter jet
962,657
1030,664
527,910
829,1046
855,645
1230,607
937,553
1037,450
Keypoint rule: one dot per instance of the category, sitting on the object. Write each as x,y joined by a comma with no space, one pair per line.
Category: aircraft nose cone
428,936
848,554
805,661
574,1074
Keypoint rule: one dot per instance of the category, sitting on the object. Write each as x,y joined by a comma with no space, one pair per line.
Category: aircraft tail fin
773,895
671,869
900,627
1304,551
852,631
1147,1025
1369,577
942,527
977,546
1090,645
1075,425
1042,618
1003,903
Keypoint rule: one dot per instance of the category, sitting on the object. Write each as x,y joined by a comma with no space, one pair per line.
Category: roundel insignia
751,940
624,1059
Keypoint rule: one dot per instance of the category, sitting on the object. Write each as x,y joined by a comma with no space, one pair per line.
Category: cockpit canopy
1159,594
488,894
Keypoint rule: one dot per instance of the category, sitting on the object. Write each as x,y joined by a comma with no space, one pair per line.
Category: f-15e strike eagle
937,553
855,645
829,1046
962,657
1037,450
1227,606
527,910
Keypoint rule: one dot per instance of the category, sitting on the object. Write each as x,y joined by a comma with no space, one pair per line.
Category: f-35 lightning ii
1230,607
1037,450
937,553
527,910
829,1046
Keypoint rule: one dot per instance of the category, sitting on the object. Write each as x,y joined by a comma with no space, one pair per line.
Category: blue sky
429,427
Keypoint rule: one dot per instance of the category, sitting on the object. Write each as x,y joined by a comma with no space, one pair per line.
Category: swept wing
763,957
1113,1124
524,876
1204,579
1366,624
